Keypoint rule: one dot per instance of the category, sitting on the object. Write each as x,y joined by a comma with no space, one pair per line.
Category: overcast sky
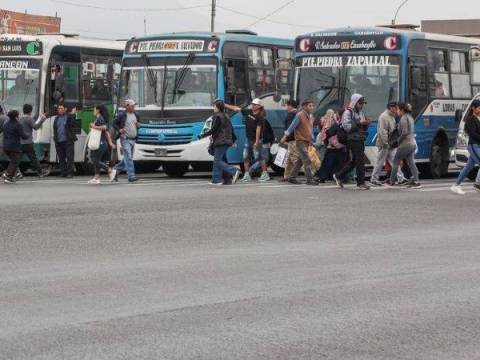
303,15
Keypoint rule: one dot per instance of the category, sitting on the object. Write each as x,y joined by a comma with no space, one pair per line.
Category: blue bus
174,78
430,71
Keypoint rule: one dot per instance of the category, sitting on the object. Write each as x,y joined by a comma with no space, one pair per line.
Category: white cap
130,102
257,101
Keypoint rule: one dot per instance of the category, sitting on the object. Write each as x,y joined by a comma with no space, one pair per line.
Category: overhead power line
267,20
122,9
272,13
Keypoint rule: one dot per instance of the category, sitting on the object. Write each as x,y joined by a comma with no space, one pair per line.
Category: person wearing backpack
223,137
355,125
386,126
406,147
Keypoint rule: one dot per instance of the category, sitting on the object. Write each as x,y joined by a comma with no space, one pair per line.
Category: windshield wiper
151,76
181,73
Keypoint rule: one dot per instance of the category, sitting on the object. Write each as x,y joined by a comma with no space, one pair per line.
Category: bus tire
437,167
472,175
147,166
175,169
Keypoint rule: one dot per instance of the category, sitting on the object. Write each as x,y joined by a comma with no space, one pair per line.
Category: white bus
48,69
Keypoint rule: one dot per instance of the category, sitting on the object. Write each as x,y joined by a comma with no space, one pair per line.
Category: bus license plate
161,152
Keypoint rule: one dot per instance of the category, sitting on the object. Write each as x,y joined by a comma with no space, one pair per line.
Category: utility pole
212,22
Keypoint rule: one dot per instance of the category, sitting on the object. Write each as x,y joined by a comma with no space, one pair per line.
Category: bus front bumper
195,151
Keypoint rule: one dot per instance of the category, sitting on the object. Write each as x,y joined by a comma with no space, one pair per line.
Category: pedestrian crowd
336,154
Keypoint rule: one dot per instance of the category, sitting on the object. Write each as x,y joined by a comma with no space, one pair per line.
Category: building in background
12,22
468,27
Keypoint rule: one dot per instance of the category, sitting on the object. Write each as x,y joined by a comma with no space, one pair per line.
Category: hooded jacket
351,121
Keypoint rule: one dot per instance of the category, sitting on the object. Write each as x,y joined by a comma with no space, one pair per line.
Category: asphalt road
165,269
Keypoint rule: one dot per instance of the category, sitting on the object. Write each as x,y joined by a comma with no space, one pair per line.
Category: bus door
417,84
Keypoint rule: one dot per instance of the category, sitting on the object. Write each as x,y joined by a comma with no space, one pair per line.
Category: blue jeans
219,165
261,153
128,146
473,159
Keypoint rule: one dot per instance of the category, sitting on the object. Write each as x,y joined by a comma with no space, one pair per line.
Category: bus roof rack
241,32
400,26
57,34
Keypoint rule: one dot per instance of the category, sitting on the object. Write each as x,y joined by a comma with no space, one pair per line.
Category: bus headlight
207,126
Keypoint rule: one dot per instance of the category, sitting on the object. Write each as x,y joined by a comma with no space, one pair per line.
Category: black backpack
341,135
268,135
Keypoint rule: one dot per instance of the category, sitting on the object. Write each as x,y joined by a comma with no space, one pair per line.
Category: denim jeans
261,153
128,146
473,159
219,165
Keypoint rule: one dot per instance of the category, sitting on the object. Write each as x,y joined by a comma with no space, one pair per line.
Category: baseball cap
392,103
130,102
257,101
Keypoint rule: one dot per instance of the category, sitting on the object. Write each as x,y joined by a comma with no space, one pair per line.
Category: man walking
355,125
126,125
253,148
386,124
64,136
28,124
292,149
13,133
302,127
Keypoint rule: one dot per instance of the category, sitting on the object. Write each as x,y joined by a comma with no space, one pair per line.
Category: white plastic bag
281,157
94,137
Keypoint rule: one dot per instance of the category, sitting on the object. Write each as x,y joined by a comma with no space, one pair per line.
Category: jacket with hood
351,121
386,124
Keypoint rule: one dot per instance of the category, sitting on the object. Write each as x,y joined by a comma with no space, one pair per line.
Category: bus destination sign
19,64
348,43
171,46
20,48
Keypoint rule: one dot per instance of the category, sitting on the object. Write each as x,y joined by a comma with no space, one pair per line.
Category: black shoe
404,182
294,181
414,185
363,186
338,181
312,182
132,180
476,187
8,180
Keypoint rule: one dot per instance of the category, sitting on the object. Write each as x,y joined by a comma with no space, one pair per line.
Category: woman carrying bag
98,142
223,137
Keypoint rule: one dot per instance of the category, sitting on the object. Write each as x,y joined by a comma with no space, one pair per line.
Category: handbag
393,138
94,137
211,150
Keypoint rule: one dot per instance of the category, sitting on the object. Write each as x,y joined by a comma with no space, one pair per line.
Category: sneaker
246,178
376,182
265,177
94,181
44,173
476,187
18,175
8,180
457,189
388,183
113,175
131,180
236,176
294,181
338,181
414,185
312,182
363,187
404,182
215,184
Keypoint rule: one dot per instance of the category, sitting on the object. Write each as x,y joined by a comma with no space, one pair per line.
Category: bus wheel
472,175
175,169
147,166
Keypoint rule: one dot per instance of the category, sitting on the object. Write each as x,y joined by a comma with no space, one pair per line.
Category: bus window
261,74
66,84
236,87
418,92
439,79
98,80
460,75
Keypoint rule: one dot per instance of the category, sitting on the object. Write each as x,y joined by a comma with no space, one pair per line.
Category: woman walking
12,133
223,137
472,129
101,115
406,147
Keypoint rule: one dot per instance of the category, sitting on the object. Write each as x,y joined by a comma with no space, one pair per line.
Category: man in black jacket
64,134
13,132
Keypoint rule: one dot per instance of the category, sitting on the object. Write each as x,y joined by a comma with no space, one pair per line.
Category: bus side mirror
458,115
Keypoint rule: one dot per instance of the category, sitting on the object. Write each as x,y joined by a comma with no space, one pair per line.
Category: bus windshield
170,87
19,87
331,82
